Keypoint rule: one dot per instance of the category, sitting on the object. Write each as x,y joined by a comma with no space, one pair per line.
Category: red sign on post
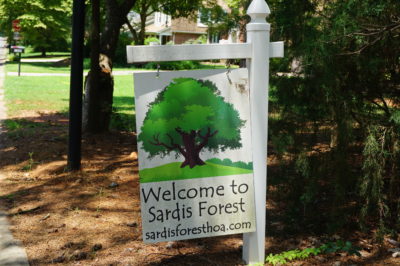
16,25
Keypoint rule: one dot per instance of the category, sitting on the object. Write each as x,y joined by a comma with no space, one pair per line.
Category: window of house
204,16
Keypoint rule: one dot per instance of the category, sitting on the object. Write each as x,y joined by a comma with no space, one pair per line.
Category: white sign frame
258,50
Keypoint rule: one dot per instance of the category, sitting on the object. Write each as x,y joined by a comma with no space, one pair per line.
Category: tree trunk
192,151
91,111
98,103
132,30
192,160
98,100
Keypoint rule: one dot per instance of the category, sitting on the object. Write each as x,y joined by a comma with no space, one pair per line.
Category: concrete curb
11,251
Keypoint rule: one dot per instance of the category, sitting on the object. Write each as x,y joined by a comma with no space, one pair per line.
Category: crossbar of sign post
163,53
160,135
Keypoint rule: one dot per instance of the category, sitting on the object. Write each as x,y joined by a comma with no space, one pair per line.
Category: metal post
75,103
258,33
19,64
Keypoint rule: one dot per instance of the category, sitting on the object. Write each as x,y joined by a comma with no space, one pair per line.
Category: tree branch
181,150
157,142
205,138
385,109
131,29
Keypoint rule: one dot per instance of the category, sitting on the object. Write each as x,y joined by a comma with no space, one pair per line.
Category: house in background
181,30
175,31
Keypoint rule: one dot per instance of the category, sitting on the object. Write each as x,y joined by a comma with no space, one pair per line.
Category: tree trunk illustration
192,152
190,149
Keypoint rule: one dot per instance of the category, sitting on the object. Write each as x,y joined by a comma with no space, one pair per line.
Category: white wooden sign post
257,51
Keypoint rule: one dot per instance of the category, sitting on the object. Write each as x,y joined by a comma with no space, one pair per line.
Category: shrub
120,53
149,40
176,65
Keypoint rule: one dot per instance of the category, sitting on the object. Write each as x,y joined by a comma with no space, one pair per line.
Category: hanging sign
195,158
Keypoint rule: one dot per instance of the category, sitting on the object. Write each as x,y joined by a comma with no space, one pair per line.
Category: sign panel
17,36
18,49
195,158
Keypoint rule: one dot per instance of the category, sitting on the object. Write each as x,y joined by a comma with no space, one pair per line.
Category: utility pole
76,87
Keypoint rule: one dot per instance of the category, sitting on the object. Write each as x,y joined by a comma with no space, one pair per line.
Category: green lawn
173,171
36,93
52,94
29,54
51,67
36,67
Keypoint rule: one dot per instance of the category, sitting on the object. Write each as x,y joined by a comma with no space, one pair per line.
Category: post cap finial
257,9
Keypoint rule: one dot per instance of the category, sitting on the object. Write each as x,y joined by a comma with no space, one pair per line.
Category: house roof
159,30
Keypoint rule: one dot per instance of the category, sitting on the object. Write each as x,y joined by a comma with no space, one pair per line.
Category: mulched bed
92,216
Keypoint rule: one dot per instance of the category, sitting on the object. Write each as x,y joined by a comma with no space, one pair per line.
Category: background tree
97,106
44,24
222,19
98,101
344,82
187,117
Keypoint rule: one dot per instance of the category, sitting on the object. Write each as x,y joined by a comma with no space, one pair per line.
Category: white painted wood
160,53
276,49
257,51
258,34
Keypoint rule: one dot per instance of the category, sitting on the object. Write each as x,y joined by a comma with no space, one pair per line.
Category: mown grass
51,93
37,67
35,94
29,54
53,67
173,171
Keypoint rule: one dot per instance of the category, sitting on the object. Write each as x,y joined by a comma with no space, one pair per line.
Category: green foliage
189,106
201,40
381,155
221,21
16,124
44,24
150,40
174,65
290,255
228,162
120,52
31,163
343,91
330,247
175,8
12,58
122,122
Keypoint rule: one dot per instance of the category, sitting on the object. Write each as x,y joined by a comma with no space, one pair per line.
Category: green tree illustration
188,116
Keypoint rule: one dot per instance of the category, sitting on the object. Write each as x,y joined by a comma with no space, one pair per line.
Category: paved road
11,251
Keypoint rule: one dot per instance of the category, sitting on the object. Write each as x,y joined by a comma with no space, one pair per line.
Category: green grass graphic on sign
173,171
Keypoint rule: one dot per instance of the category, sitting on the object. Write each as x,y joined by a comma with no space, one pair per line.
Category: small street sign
18,49
17,36
16,25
